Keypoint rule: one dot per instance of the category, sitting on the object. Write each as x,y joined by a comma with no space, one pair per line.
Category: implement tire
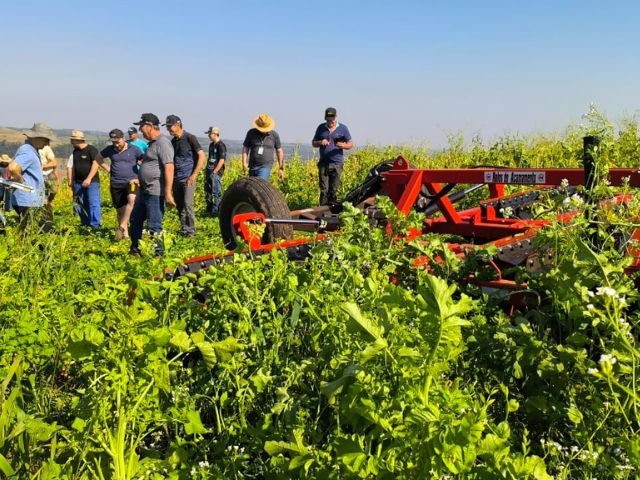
253,194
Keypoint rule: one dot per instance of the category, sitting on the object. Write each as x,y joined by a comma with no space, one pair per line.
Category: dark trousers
183,195
149,208
329,182
212,190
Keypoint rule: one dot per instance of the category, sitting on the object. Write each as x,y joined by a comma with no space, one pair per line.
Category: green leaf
227,348
181,341
574,415
260,380
79,424
5,467
193,425
363,324
276,448
373,350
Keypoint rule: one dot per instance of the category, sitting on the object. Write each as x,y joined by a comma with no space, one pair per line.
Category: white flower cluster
574,201
564,183
608,292
607,358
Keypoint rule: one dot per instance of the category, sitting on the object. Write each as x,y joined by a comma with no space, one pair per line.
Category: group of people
148,174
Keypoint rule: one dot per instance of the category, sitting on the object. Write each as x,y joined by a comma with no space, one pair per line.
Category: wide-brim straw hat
77,135
264,123
40,130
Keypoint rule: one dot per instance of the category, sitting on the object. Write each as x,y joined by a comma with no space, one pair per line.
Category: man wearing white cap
214,170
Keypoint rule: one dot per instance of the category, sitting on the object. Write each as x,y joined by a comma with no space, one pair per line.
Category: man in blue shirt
123,175
27,169
135,140
188,160
332,138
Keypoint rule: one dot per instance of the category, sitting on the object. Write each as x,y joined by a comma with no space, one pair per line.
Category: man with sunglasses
123,176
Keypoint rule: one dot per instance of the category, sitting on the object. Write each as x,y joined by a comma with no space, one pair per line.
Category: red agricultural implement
433,193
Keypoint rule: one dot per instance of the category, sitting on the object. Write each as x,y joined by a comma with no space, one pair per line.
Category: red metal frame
481,224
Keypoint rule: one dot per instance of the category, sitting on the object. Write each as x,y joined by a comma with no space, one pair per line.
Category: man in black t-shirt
260,147
214,170
84,180
188,160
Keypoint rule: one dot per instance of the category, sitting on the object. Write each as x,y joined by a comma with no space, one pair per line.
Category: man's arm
219,166
245,159
201,159
104,165
51,160
280,153
92,173
345,145
168,184
70,171
15,172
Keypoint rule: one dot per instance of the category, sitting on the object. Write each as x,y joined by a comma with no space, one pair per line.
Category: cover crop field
325,369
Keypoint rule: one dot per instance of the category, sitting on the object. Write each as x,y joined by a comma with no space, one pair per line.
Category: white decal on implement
518,178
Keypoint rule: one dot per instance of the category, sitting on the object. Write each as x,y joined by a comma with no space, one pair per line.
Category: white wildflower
203,464
590,307
607,292
564,183
593,371
576,200
607,358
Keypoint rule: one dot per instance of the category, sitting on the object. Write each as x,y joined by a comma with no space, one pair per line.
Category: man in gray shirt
156,183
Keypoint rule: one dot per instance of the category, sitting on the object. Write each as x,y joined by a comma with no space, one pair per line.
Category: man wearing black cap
123,175
156,182
188,159
134,139
332,138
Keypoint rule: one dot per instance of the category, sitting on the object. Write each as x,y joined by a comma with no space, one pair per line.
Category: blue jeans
87,204
149,208
212,190
260,171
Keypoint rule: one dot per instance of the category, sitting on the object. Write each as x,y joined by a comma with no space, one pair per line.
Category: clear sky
398,72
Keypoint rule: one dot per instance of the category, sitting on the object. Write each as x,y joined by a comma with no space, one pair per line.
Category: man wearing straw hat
84,180
260,147
26,168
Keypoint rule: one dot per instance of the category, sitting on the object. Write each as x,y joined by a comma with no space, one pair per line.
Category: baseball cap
330,112
211,130
148,119
132,130
116,134
172,120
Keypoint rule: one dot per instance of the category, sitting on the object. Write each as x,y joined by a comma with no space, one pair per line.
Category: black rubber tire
253,194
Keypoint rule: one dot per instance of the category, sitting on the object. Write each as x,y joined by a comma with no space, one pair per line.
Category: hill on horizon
11,137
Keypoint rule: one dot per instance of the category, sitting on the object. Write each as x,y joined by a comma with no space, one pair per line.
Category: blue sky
398,72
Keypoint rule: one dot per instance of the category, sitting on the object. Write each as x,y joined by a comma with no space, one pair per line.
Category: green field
324,369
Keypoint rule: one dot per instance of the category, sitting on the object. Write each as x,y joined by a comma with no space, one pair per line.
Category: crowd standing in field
147,175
